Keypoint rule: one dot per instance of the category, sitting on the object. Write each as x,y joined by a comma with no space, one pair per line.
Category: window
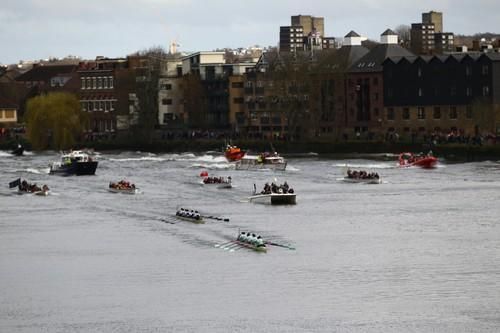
420,92
468,71
237,84
99,83
105,82
168,86
84,106
375,112
376,96
83,83
112,105
375,81
101,105
390,114
453,91
166,101
264,120
110,82
485,70
390,92
238,100
421,113
406,113
486,91
89,83
437,113
419,72
107,106
453,112
468,112
94,81
168,117
468,91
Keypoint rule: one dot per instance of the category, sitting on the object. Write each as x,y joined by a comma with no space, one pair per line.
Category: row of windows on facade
485,70
102,125
97,82
104,105
437,92
436,113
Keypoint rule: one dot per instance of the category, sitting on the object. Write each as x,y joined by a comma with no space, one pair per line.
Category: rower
260,241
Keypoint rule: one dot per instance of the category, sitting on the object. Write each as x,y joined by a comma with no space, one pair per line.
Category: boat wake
366,166
139,159
42,171
216,166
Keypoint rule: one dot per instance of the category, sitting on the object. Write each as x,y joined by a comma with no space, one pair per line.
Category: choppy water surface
418,253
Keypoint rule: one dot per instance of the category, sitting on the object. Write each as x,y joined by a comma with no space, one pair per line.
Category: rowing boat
257,248
191,219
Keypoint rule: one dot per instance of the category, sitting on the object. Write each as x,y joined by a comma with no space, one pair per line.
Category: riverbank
458,152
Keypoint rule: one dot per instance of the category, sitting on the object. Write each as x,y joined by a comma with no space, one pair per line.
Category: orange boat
233,153
424,161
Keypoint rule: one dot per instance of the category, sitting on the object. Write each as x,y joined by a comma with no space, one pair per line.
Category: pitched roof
372,61
352,53
45,73
6,103
352,34
389,32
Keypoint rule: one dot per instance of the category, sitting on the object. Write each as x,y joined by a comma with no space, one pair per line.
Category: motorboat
274,194
362,180
18,151
23,187
362,177
76,162
262,161
233,153
218,182
123,187
424,161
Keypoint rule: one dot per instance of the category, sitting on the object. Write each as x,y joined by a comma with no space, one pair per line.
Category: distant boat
262,161
424,161
233,153
18,151
123,187
74,163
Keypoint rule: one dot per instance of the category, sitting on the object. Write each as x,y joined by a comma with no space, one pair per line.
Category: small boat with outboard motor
218,182
233,153
275,194
24,187
362,177
123,186
76,162
426,161
271,161
189,215
18,151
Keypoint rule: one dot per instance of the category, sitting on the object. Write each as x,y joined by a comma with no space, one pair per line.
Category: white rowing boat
275,198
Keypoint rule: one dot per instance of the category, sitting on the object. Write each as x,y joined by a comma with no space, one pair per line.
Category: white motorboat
362,180
262,161
275,198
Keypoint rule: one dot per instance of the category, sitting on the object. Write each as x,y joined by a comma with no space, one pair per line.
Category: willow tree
54,120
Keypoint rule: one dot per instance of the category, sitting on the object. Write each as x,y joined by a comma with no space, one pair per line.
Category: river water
418,253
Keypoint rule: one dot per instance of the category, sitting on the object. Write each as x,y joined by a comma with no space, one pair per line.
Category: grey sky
36,29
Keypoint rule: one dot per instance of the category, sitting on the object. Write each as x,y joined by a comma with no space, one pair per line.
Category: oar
223,244
215,218
280,245
166,221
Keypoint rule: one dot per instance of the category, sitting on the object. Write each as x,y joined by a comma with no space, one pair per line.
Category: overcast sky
37,29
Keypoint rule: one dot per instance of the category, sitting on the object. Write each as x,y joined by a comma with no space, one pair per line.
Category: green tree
54,120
